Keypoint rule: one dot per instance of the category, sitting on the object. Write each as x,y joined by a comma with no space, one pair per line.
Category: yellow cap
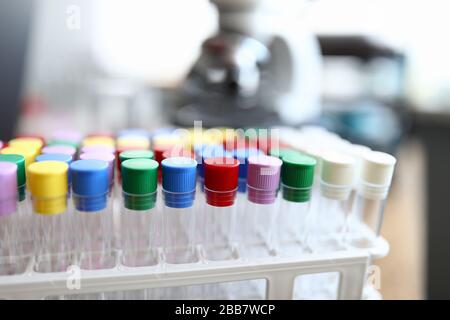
47,182
28,143
27,153
95,141
140,143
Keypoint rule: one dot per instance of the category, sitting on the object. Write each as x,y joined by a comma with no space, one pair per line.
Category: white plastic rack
280,274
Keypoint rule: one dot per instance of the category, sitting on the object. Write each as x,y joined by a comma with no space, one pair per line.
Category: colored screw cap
242,154
62,143
48,183
66,158
99,141
90,184
136,154
103,156
67,135
263,178
21,177
221,181
282,152
208,152
179,180
139,183
28,154
60,149
8,186
133,132
137,143
105,134
35,136
178,152
31,143
98,148
297,175
337,175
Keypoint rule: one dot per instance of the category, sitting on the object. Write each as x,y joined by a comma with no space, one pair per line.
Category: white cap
337,175
376,174
358,152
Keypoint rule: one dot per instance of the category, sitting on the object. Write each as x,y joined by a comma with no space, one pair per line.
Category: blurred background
375,72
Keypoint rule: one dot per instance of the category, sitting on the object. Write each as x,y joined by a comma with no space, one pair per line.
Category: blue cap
242,154
90,184
55,157
178,181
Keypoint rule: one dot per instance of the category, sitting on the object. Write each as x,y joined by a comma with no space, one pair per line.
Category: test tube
140,227
47,182
327,228
66,158
179,180
24,206
221,182
365,220
297,176
9,234
93,214
261,208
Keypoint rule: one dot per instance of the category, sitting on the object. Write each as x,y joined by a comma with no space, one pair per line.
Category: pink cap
67,135
263,178
104,156
98,148
8,186
59,149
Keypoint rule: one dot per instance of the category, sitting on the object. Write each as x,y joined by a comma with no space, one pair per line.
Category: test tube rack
280,274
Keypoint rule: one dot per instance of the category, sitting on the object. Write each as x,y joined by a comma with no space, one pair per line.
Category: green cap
282,152
139,183
297,176
136,154
21,177
62,143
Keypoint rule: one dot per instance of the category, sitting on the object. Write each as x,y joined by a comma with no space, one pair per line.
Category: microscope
262,68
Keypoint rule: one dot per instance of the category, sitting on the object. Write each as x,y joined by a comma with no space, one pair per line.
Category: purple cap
67,135
263,178
98,148
104,156
8,185
60,149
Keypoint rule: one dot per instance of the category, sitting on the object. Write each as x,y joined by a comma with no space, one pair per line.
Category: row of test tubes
180,197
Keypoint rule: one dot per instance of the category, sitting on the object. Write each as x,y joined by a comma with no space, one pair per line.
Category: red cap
240,143
221,181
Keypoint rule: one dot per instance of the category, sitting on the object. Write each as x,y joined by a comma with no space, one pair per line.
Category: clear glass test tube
297,177
11,260
221,182
52,227
92,214
364,222
179,183
140,230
